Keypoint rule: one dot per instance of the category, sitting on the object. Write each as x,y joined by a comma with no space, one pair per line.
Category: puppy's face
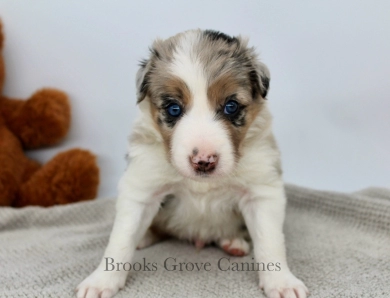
205,89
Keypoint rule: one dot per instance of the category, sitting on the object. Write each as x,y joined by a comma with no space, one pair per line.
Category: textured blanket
339,244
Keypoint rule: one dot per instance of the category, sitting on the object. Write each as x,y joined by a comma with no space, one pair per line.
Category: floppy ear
259,77
142,80
259,74
264,78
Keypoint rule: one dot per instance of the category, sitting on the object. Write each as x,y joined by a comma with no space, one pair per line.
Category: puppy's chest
201,211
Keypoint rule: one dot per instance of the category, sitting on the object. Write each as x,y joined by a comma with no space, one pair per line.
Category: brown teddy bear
40,121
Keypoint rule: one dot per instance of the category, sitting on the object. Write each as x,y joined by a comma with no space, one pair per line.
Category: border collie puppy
203,162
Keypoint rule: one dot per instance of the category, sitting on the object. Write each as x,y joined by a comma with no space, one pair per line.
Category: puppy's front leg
264,212
135,210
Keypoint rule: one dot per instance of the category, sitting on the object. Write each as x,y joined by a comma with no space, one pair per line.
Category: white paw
283,285
101,284
235,247
149,239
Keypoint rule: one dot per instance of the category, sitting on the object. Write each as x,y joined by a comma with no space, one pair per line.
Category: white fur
197,128
204,209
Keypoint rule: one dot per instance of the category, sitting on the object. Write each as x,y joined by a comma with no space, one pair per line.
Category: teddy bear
40,121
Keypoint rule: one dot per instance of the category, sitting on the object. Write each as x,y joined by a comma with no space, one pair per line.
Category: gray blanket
338,244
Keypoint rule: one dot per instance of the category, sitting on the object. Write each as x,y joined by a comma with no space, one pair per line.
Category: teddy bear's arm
42,120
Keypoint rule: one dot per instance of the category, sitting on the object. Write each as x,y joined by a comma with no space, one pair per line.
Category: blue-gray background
329,62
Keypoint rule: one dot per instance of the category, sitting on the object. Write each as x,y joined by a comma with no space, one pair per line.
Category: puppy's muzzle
203,163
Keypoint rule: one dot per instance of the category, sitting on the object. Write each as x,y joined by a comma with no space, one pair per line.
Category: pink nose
203,163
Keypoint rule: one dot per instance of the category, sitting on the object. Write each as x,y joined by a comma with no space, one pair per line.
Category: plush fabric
338,244
40,121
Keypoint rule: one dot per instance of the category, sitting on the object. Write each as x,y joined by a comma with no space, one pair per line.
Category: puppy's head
205,89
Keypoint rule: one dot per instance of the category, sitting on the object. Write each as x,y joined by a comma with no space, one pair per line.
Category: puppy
203,162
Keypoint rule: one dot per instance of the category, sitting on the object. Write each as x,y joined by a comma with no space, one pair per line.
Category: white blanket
338,244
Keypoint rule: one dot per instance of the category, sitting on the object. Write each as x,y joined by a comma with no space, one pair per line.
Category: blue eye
231,107
174,110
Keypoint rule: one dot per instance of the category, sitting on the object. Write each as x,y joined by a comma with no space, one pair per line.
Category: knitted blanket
337,243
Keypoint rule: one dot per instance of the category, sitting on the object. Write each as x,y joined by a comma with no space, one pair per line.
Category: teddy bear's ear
142,80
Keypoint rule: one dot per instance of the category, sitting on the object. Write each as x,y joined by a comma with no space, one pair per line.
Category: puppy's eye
174,110
231,107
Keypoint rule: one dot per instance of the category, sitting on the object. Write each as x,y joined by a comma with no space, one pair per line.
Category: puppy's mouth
201,175
204,175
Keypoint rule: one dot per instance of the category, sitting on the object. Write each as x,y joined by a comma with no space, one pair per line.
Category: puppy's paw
236,247
283,285
101,284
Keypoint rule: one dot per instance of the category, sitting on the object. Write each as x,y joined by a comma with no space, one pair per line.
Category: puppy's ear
260,78
142,80
264,78
259,74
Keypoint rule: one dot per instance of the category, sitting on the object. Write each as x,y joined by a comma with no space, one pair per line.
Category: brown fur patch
166,134
162,87
224,87
237,134
171,86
